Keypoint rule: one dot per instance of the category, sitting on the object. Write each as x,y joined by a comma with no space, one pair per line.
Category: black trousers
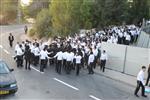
58,66
127,42
27,65
19,61
64,64
68,69
147,81
95,62
42,65
77,69
103,63
36,60
139,84
90,68
11,43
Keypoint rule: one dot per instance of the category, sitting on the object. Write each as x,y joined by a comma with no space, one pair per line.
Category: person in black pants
103,59
11,39
78,63
91,63
59,57
148,77
28,56
43,57
140,82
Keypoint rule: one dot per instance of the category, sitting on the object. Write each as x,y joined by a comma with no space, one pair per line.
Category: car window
3,68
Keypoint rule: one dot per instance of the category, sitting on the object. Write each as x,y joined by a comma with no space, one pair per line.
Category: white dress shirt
91,58
69,57
78,59
59,55
103,56
140,77
64,55
95,52
128,37
36,51
43,55
19,52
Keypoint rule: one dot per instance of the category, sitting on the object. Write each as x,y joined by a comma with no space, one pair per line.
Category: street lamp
18,13
21,3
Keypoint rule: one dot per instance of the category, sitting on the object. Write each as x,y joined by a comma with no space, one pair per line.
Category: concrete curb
98,73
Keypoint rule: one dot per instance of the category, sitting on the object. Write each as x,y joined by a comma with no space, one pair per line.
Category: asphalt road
52,86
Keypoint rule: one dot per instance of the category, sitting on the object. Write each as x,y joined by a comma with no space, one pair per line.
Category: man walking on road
11,39
140,82
25,29
103,60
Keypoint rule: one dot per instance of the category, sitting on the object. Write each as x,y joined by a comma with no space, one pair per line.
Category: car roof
1,60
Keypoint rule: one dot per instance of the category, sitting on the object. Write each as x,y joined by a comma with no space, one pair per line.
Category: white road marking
66,84
6,51
37,70
93,97
1,46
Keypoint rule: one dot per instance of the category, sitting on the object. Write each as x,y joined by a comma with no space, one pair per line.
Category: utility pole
19,12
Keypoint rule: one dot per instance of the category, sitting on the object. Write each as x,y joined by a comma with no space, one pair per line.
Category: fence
126,59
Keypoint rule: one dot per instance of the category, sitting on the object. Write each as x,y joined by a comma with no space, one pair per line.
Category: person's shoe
136,95
144,96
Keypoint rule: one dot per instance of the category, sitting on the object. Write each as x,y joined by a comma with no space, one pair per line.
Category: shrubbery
42,27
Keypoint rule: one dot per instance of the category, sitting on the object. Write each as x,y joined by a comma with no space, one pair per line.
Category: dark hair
104,51
143,67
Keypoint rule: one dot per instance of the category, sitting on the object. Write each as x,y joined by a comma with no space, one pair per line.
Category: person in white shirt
109,40
103,60
43,58
140,82
69,61
95,52
36,54
128,39
64,58
90,63
59,57
78,63
16,47
19,55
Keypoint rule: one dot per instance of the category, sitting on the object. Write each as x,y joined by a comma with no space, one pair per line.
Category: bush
43,24
32,32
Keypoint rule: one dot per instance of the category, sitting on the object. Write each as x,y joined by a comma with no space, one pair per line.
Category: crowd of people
74,52
77,51
119,34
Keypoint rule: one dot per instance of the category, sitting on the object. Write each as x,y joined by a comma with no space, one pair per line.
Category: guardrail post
125,58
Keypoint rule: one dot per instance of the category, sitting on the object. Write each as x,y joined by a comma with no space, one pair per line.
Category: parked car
8,84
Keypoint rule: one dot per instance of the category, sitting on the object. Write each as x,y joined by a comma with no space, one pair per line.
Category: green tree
139,10
69,16
35,7
43,24
113,12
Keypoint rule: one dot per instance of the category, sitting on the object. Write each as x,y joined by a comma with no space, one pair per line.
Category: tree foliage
43,24
35,7
68,16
